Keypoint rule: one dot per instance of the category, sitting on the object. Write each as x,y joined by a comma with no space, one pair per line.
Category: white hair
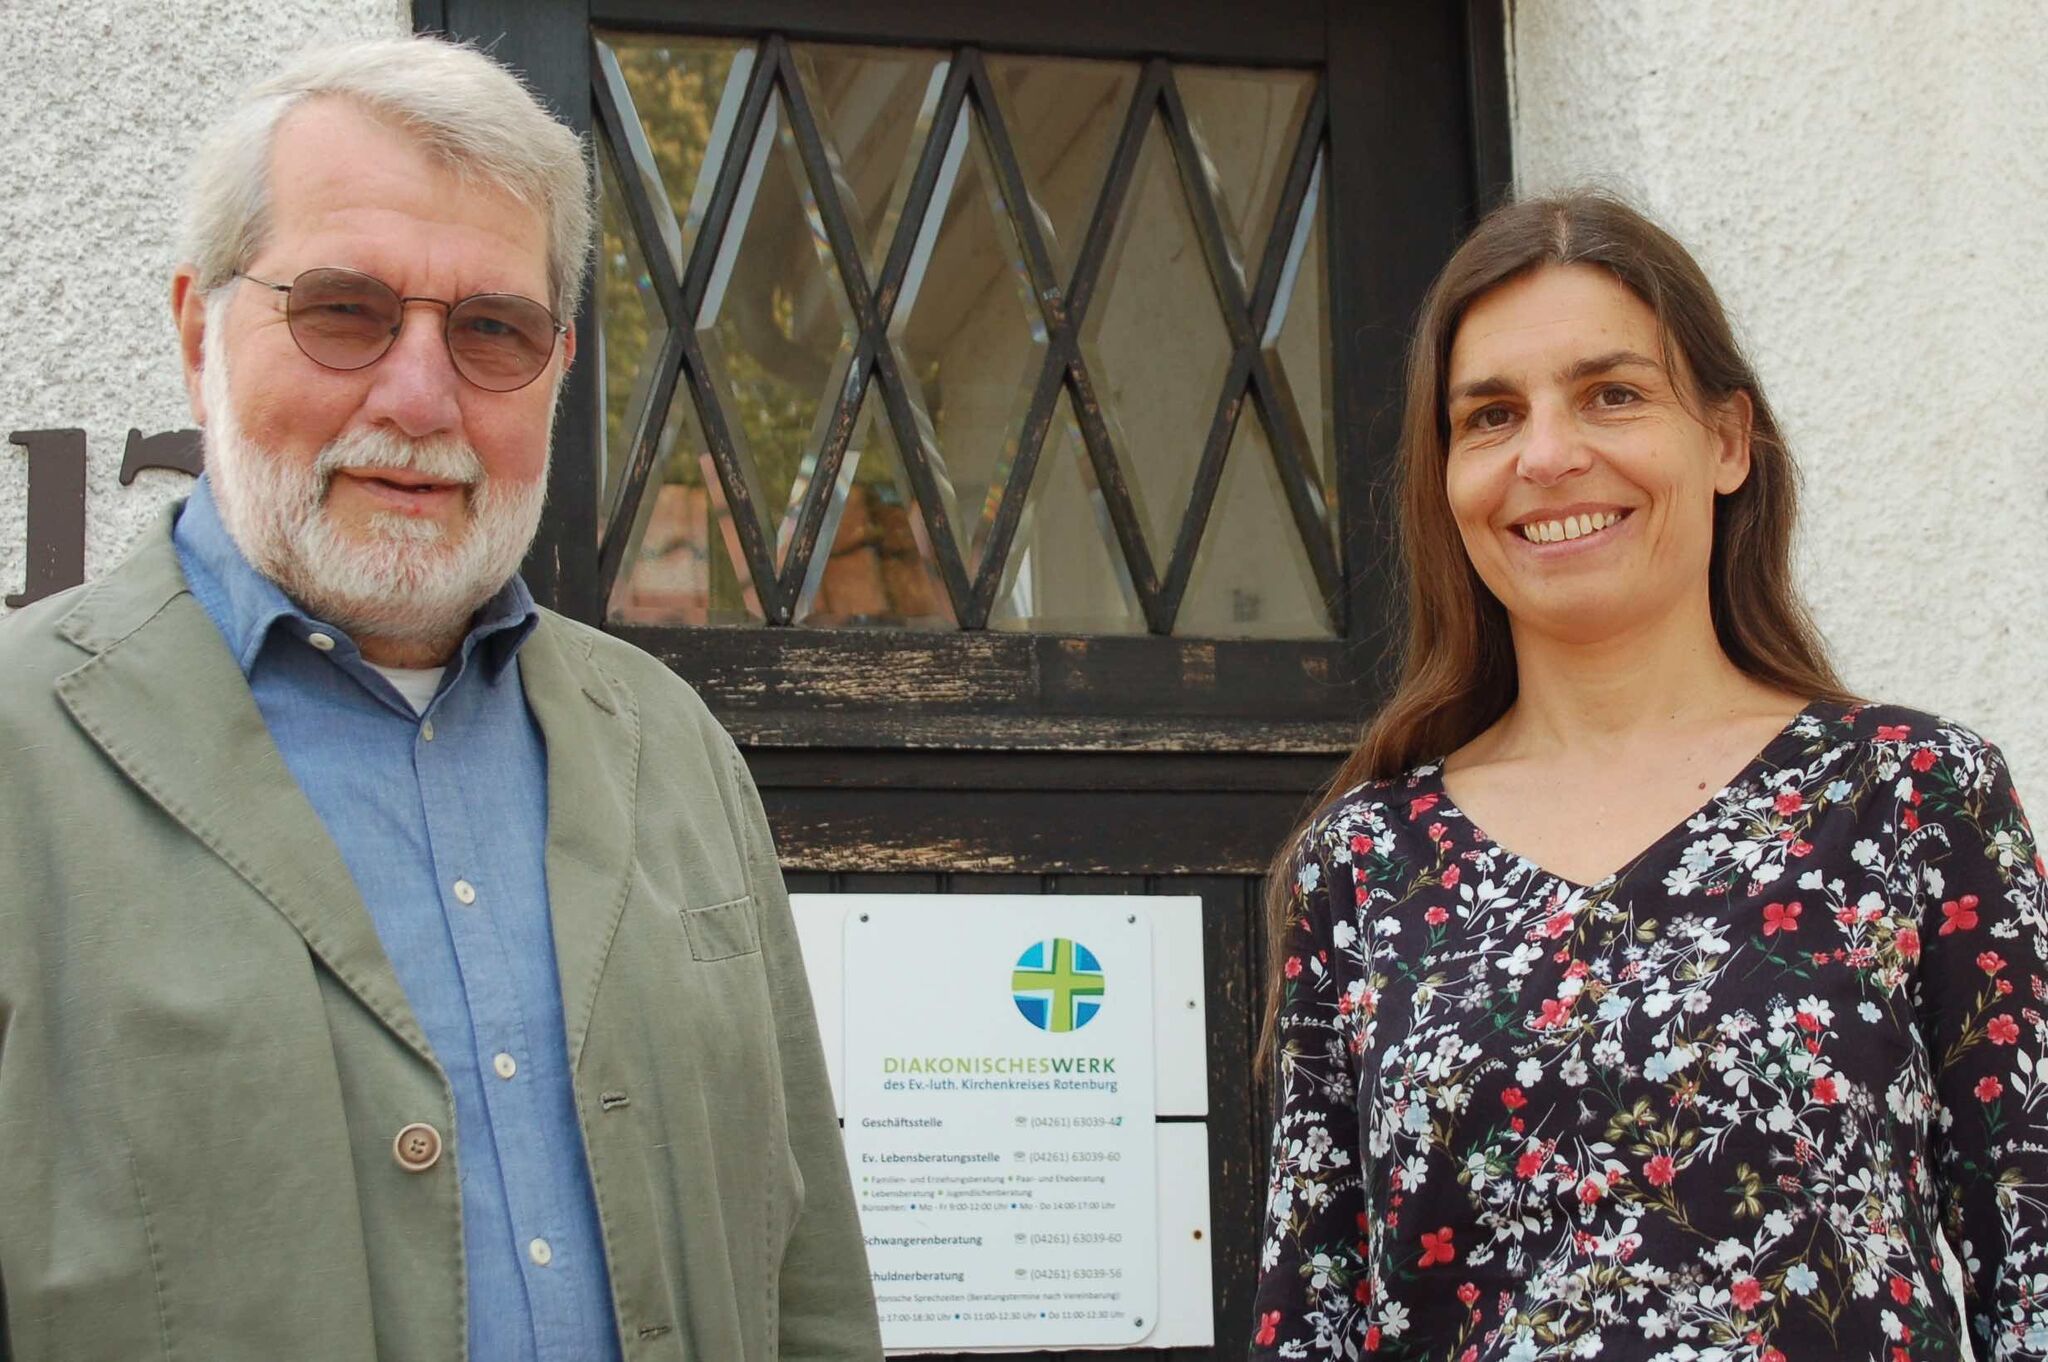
466,110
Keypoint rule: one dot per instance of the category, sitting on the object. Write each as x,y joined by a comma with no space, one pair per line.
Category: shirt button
465,892
539,1251
324,642
505,1065
427,730
417,1148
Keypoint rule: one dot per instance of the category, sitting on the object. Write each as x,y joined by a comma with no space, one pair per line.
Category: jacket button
417,1148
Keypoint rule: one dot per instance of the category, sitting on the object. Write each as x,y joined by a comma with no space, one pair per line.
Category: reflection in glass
874,107
629,342
1063,115
1065,572
1246,123
874,561
683,563
1155,344
776,329
971,338
1252,577
1297,342
687,92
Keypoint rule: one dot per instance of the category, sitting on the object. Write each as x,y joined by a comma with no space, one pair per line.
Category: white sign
999,1101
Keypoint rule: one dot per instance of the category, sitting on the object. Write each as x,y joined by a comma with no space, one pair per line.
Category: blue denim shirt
441,818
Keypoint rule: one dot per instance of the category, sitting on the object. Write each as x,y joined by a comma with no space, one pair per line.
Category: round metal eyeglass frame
502,355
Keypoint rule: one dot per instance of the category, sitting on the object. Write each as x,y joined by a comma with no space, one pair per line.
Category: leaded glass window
953,339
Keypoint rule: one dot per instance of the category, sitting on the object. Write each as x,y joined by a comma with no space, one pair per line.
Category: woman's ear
1735,423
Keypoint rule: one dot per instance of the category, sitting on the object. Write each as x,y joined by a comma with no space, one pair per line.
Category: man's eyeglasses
342,319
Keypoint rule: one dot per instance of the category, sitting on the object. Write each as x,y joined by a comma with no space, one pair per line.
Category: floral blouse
1712,1108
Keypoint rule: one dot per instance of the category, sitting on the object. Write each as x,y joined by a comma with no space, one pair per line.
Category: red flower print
1746,1292
1988,1089
1902,1290
1436,916
1780,917
1909,943
1910,821
1991,962
1420,806
1555,1010
1806,1021
1292,969
1900,1354
1589,1191
1959,915
1529,1165
2003,1030
1361,845
1790,802
1826,1091
1923,760
2005,988
1451,877
1372,1339
1437,831
1269,1329
1660,1171
1772,1355
1362,1292
1513,1099
1801,847
1893,732
1470,1354
1556,925
1468,1293
1436,1248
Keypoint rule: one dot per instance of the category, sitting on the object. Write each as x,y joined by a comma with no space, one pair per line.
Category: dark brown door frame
1039,764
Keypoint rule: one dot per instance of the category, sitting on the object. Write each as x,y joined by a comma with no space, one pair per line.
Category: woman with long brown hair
1638,992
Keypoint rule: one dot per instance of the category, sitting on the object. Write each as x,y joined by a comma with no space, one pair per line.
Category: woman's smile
1573,530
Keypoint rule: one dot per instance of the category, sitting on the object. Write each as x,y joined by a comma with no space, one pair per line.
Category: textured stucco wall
1866,186
100,107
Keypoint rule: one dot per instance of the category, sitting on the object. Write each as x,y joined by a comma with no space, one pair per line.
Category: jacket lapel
163,698
592,729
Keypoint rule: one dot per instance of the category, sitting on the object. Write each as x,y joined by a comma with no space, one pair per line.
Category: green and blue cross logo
1058,985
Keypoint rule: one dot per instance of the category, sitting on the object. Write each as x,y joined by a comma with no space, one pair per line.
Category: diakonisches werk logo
1058,984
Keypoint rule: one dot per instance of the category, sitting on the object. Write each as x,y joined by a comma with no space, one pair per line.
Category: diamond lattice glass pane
776,328
1252,577
874,564
1297,341
970,338
631,329
874,107
1063,115
687,93
1065,573
1156,345
683,564
1246,123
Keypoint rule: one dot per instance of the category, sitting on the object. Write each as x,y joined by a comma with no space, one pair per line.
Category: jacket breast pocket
723,930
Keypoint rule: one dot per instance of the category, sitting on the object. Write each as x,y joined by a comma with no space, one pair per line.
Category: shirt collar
247,606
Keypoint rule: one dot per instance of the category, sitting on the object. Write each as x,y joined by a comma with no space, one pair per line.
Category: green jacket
205,1056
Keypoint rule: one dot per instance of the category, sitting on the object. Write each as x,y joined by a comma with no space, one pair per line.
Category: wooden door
989,409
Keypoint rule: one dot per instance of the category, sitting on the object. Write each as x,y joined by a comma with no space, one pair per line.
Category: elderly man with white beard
389,968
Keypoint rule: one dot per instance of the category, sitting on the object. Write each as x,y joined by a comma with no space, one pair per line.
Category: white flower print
1711,1109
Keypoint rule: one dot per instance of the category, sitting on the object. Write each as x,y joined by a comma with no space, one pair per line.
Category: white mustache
442,458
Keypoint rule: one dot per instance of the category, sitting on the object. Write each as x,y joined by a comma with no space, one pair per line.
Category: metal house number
56,498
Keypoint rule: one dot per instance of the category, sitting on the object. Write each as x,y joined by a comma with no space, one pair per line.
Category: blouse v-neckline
1765,759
